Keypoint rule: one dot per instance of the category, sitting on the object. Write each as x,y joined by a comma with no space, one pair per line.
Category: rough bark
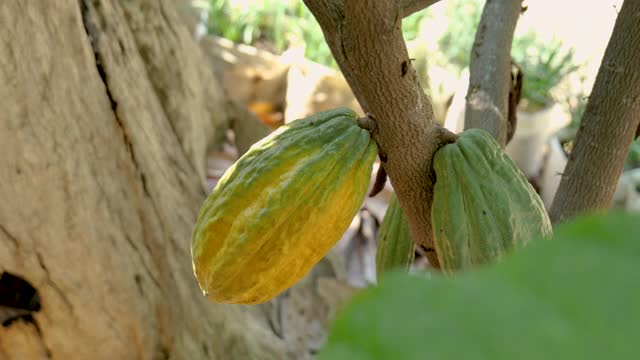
608,124
183,84
191,16
101,185
490,69
365,38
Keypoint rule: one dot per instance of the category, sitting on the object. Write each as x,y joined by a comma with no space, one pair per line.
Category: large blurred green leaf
574,297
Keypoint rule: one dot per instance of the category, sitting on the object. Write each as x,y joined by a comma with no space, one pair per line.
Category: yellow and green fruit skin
483,205
281,207
395,245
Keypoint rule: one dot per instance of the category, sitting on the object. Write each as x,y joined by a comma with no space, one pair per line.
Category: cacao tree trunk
106,112
608,126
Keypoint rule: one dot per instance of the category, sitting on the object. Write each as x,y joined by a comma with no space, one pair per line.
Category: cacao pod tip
395,245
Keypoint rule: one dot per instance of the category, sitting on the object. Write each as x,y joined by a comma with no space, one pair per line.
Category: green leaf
574,297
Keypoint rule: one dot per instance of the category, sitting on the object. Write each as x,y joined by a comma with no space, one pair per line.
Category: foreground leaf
574,297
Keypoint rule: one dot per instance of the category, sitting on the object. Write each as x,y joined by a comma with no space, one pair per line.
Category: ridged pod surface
281,207
395,245
483,205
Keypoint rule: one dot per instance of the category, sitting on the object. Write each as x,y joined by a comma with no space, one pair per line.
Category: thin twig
515,94
381,180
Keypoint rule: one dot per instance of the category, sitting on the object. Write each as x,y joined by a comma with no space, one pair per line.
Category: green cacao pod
483,205
395,244
281,207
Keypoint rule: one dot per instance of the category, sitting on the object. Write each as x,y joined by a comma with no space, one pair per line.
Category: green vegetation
456,42
573,297
281,24
633,159
273,24
544,65
411,24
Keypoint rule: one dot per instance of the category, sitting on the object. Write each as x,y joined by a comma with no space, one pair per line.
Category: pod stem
445,137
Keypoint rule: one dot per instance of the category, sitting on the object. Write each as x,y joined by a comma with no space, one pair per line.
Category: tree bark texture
490,69
107,108
191,16
608,125
365,38
183,84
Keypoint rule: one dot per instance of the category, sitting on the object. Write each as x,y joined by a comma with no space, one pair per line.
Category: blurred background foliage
274,25
278,25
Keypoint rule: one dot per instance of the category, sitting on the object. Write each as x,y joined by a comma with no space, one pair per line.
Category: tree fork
366,40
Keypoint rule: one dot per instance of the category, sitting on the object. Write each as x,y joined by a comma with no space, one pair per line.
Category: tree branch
490,69
365,38
608,124
409,7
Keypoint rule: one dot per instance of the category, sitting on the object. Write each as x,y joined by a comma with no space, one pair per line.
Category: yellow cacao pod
483,205
281,207
395,249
